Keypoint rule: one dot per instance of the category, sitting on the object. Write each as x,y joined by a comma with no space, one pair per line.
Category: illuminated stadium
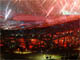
40,29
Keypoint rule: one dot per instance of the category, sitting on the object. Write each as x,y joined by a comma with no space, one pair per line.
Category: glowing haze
51,7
